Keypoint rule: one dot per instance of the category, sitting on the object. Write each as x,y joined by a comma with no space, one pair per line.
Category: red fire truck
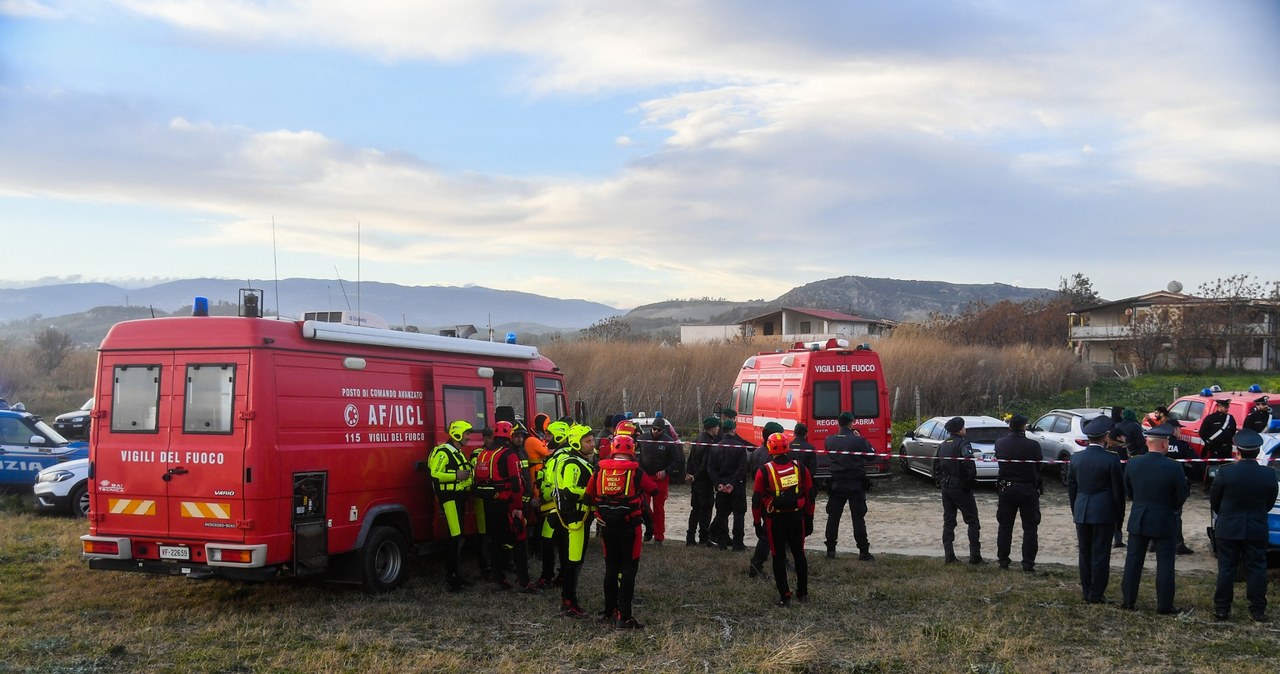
251,448
812,383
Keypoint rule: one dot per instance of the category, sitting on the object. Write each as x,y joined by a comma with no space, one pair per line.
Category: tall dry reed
610,377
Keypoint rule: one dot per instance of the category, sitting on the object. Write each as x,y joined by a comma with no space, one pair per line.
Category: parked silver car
919,450
1059,434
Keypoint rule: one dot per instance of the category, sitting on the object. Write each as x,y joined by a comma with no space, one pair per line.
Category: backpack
618,502
784,487
487,479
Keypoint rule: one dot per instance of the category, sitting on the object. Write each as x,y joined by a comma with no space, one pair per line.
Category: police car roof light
1206,392
1215,388
1255,389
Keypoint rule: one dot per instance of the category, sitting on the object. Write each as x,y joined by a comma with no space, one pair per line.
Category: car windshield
88,406
986,435
54,436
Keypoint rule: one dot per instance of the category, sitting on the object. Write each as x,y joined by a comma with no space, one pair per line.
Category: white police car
64,488
28,446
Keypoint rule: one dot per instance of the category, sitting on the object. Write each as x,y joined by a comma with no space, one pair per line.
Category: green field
898,614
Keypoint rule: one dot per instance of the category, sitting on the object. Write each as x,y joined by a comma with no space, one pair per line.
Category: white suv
64,487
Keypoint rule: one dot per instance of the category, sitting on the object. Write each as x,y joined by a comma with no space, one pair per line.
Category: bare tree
52,346
1231,308
1149,333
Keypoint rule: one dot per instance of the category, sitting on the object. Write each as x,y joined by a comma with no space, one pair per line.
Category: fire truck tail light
103,547
235,555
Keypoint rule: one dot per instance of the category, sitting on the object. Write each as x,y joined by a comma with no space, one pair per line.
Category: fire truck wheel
382,561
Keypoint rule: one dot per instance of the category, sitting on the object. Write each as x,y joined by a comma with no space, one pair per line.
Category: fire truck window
866,399
466,404
550,404
508,391
748,403
548,384
135,399
826,399
211,395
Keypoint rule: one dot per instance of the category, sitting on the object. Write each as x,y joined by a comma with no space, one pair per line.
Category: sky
631,152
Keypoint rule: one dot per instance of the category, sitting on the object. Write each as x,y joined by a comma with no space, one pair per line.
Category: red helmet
623,444
778,444
502,429
625,427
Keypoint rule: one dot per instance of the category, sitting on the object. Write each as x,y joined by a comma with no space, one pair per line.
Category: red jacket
764,492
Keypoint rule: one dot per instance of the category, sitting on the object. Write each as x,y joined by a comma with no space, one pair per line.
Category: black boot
949,554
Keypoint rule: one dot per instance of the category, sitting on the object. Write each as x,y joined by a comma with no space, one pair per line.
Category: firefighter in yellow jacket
573,472
451,475
551,532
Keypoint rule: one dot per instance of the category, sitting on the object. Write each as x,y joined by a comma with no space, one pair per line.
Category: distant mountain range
87,310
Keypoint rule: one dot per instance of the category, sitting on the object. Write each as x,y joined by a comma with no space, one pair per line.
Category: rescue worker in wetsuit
779,507
1018,485
701,491
615,490
662,458
1217,431
551,532
533,454
959,473
573,510
759,457
451,477
500,486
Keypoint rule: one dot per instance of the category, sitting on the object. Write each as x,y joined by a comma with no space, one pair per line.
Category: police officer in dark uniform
959,473
1259,418
728,469
1158,488
701,492
1095,490
848,451
1018,485
1217,430
1113,442
1132,431
1242,496
1181,452
804,453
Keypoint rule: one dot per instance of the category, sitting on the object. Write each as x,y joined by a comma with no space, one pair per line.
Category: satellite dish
1175,287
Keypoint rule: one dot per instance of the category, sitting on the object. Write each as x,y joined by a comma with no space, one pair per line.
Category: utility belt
452,486
492,492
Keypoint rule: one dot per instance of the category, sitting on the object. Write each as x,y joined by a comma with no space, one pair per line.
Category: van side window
549,397
826,399
135,399
866,399
464,403
211,395
508,391
748,402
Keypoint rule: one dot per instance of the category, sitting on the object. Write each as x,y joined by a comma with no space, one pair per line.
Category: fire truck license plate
174,552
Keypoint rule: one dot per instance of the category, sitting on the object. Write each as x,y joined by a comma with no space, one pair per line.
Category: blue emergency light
511,338
200,306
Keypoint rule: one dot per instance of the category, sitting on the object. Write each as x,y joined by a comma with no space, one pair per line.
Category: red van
812,383
1192,409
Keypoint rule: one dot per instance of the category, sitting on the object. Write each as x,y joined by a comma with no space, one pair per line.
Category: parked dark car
74,425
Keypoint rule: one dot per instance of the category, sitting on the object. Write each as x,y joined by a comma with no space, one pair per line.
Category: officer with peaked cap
959,473
701,491
1095,490
1018,486
1242,495
1216,430
1158,488
1259,418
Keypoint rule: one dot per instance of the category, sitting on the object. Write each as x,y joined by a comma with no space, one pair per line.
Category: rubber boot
949,556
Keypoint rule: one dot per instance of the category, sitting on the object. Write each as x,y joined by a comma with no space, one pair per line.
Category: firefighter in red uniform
500,485
780,506
451,477
616,490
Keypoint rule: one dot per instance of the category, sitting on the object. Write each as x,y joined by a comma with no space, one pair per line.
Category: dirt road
904,516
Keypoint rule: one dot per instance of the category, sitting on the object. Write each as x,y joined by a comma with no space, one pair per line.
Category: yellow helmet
559,431
576,433
458,430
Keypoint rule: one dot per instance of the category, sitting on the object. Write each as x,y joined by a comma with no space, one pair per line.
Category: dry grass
899,614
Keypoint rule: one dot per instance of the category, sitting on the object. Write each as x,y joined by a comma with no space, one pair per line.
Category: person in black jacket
1242,496
728,470
1186,457
805,454
1113,442
1259,418
959,473
701,491
1095,490
848,451
1018,485
661,458
1217,430
1157,487
1132,432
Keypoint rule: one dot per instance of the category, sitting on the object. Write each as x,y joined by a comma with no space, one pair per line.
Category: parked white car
64,488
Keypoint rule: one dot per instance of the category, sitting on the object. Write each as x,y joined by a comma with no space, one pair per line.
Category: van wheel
383,560
79,501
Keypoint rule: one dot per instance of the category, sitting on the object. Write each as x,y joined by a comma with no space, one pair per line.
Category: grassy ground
898,614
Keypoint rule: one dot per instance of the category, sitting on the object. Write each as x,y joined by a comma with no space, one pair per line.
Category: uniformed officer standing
662,458
701,491
451,477
848,451
1186,457
1113,442
1095,490
1018,485
728,470
959,473
1242,496
1259,418
1158,488
1216,430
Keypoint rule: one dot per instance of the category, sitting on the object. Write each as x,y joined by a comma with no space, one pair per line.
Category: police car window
210,398
14,432
866,398
826,399
466,404
135,399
